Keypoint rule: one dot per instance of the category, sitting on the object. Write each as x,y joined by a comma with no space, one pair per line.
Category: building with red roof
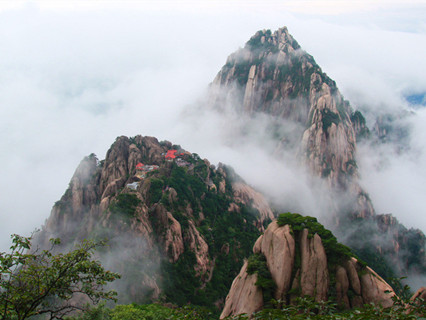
170,155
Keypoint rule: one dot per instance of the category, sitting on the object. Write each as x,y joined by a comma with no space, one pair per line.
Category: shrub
257,264
155,190
125,203
329,117
336,252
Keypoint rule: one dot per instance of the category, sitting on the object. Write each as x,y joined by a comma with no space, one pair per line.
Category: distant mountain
273,77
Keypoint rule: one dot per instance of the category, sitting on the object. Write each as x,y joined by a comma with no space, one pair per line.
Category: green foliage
98,312
303,308
358,118
255,42
364,241
189,187
180,281
155,190
351,166
336,252
229,235
329,117
125,203
153,311
127,312
257,264
378,264
241,72
234,231
307,308
35,282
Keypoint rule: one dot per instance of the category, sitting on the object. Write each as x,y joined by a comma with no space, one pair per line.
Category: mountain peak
158,201
279,40
273,76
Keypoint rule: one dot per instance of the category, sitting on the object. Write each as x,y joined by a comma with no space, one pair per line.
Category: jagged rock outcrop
314,278
274,80
300,266
359,125
246,195
273,76
249,295
281,255
172,214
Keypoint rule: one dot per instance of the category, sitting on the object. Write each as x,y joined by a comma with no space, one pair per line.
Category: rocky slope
168,215
302,263
273,77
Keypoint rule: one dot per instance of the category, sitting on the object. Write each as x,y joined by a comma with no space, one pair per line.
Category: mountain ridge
171,218
181,227
273,76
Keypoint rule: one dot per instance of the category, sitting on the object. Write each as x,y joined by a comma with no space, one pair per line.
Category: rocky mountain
273,77
301,258
178,227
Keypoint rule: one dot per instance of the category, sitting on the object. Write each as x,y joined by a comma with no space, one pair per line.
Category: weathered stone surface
247,195
173,243
278,246
273,76
350,267
115,167
373,289
420,293
80,197
311,278
157,225
342,286
199,246
314,278
244,296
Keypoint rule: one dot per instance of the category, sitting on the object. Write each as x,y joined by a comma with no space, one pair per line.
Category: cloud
395,179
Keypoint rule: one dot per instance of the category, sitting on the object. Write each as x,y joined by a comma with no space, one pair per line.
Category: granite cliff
273,77
302,263
177,226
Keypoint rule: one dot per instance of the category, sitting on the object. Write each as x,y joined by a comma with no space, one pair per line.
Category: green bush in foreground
42,282
305,308
144,312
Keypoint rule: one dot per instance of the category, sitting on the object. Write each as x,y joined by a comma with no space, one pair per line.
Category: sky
74,75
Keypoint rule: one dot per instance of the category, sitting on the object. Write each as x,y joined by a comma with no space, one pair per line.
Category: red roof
139,165
171,154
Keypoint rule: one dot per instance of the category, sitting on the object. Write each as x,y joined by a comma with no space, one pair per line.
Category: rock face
246,195
420,293
281,255
272,75
272,78
300,267
250,297
167,219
